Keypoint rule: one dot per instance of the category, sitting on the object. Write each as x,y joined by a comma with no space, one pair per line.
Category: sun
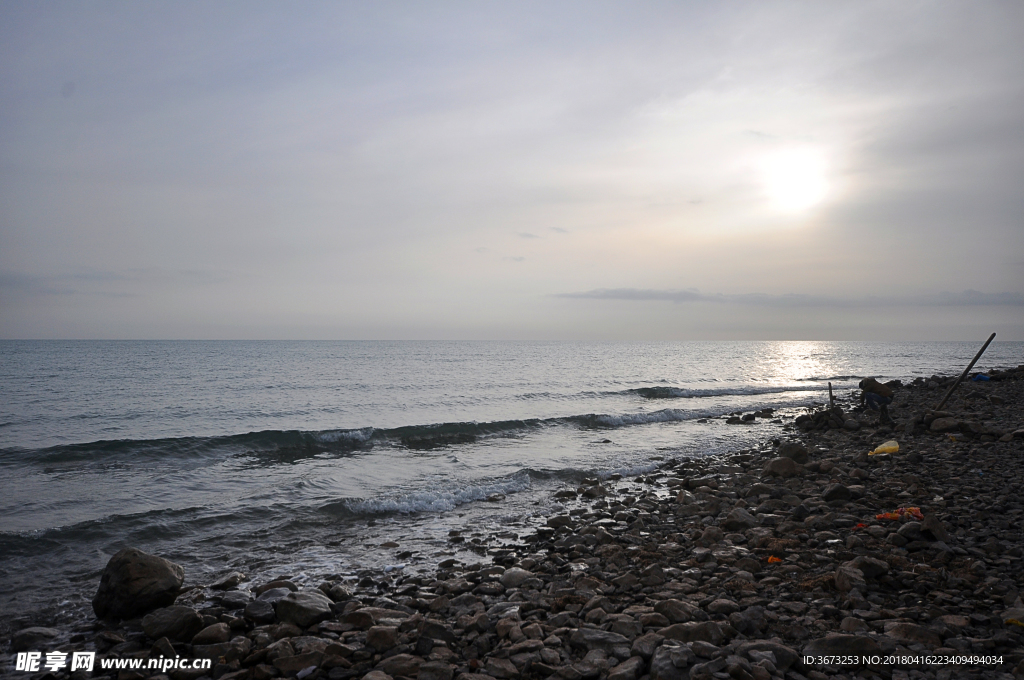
794,179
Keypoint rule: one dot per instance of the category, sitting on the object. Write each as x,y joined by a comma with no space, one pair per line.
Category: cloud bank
386,170
967,298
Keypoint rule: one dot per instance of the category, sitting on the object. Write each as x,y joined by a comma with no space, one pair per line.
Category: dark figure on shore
878,397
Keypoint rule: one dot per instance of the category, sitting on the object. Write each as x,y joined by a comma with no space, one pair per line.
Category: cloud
346,164
967,298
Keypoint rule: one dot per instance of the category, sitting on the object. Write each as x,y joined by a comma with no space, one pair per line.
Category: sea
305,459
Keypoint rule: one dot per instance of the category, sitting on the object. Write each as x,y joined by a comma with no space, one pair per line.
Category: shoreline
673,581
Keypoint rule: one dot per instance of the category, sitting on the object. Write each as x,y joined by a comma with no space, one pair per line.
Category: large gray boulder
303,608
134,583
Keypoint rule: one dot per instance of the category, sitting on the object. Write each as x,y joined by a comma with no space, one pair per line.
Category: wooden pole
831,399
964,374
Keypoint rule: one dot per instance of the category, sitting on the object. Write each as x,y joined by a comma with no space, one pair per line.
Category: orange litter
899,513
773,559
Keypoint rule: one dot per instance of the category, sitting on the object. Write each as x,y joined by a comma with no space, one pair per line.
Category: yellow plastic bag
891,446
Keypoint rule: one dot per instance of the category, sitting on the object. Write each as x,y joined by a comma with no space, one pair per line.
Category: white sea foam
662,416
360,436
438,500
630,470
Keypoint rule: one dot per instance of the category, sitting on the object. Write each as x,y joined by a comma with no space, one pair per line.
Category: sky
528,170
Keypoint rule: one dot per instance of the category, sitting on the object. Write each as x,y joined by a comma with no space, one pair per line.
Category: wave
297,441
690,393
601,420
429,500
441,435
272,447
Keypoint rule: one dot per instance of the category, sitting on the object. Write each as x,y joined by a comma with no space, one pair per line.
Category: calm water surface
300,457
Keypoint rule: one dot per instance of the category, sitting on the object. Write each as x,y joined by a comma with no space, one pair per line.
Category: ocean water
306,458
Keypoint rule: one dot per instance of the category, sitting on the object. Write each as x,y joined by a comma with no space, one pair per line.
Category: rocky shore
805,557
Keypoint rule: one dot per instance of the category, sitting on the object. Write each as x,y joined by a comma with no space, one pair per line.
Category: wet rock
676,610
162,647
339,593
795,451
235,599
710,536
303,608
273,595
626,581
908,633
229,581
35,638
783,467
670,662
292,665
707,670
606,641
234,650
645,645
847,578
836,492
514,577
652,575
435,630
176,623
401,664
870,567
750,621
360,619
945,425
842,645
503,669
933,528
739,520
654,620
134,583
382,638
708,631
630,669
435,670
260,611
706,649
211,635
721,606
279,583
785,656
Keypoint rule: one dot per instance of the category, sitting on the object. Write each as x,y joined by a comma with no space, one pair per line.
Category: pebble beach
806,556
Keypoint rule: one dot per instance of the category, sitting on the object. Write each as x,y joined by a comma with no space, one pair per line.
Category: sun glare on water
794,180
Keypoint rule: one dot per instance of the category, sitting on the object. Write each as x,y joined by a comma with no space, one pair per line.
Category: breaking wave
430,500
689,393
